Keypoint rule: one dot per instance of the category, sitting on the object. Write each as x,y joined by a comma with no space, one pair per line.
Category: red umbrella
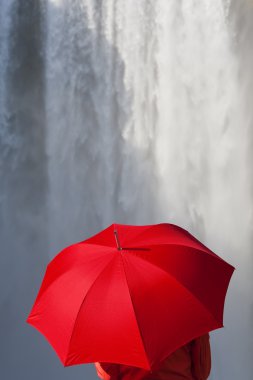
130,295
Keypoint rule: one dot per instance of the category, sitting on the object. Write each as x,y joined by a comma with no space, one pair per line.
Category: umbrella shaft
117,240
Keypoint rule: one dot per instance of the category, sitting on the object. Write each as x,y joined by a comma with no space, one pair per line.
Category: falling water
127,111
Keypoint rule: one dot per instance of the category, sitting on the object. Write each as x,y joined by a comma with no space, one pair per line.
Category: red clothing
190,362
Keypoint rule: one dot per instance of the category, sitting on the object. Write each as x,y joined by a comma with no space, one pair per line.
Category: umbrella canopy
130,295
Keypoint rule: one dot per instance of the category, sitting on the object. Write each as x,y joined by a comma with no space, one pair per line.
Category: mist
128,112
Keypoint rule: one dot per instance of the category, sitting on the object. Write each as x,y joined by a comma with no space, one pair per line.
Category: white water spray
146,122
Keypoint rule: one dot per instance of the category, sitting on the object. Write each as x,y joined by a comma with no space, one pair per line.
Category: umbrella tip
117,239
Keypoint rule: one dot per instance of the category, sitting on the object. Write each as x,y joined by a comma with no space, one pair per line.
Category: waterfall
128,111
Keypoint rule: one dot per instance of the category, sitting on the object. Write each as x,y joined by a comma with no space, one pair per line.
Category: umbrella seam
182,285
149,227
49,268
208,251
92,285
138,325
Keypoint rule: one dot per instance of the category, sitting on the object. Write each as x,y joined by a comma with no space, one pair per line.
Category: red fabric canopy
130,295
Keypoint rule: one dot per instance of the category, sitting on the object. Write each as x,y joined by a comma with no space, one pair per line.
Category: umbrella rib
141,336
77,315
207,251
149,227
182,285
